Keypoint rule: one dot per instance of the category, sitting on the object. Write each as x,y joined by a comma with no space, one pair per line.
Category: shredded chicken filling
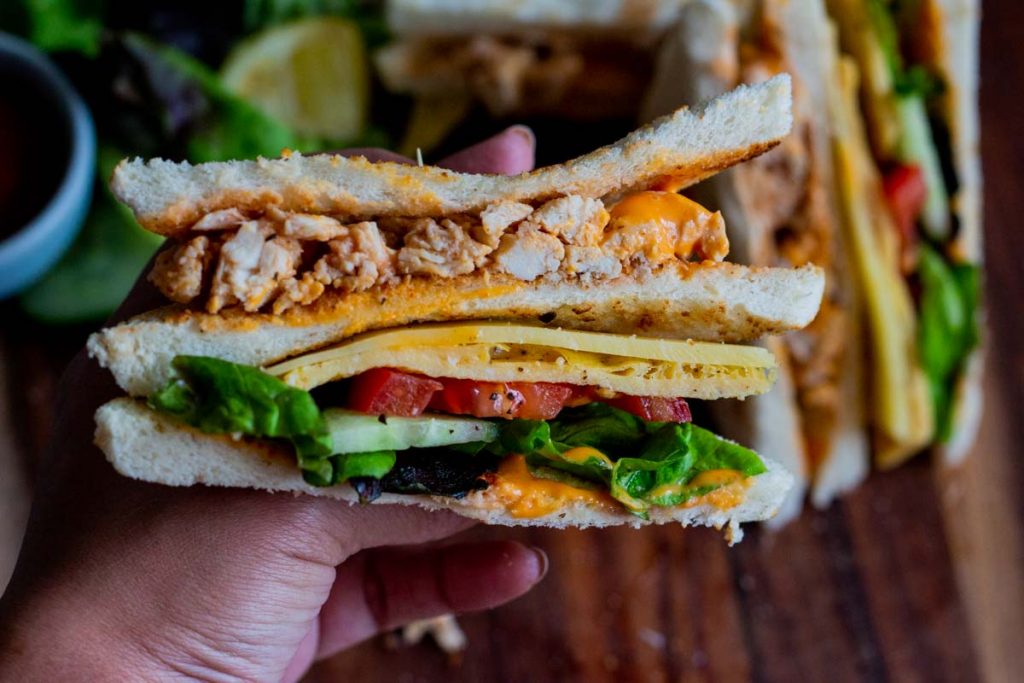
278,260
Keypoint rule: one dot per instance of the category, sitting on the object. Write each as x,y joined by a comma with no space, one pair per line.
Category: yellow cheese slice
500,352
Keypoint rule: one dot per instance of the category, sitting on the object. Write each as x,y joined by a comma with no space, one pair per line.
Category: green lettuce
219,397
66,24
375,464
948,328
641,463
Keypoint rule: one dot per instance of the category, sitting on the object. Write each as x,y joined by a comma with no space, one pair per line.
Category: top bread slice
682,148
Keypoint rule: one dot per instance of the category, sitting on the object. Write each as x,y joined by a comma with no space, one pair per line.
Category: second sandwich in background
782,209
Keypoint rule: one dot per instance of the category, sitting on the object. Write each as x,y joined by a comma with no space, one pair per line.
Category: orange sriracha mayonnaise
673,225
526,496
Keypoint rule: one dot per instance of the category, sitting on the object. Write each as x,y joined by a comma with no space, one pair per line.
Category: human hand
119,579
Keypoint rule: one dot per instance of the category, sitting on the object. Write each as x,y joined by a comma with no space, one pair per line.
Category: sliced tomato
383,391
543,400
905,193
653,408
527,400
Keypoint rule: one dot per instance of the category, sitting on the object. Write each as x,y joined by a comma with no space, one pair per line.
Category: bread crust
684,147
143,444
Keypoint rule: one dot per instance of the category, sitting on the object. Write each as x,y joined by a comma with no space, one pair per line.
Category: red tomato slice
905,192
526,400
383,391
543,400
653,408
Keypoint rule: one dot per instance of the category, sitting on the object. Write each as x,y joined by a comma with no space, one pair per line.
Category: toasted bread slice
143,444
684,148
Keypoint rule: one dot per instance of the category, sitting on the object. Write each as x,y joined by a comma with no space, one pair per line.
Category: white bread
706,46
143,444
961,25
686,146
709,301
427,18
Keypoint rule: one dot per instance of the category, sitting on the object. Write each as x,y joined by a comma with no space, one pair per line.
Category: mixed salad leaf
595,446
148,73
219,397
948,329
642,463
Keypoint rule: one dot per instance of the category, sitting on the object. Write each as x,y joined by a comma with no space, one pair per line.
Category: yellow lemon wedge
311,74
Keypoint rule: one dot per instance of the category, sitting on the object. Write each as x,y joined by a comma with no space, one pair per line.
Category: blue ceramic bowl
30,251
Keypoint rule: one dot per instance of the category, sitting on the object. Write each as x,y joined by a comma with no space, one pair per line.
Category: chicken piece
443,249
356,260
529,253
279,261
576,220
590,261
220,220
178,272
496,219
651,242
703,237
304,226
250,268
294,291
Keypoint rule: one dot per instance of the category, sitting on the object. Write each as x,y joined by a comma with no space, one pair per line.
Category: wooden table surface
917,576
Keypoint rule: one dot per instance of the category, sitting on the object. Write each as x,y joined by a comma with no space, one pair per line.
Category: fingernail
542,562
525,132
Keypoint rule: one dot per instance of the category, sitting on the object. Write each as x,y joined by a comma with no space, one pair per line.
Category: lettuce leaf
350,465
641,463
219,397
66,24
947,330
673,456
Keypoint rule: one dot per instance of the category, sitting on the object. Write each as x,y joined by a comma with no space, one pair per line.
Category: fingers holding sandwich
383,589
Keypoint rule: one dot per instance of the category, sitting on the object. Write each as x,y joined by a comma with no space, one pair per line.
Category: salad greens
219,397
948,328
596,446
642,463
148,75
166,104
56,25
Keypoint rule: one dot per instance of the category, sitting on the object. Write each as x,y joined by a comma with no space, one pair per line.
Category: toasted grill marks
280,260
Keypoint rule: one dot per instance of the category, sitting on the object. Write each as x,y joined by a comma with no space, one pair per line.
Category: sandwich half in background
583,61
517,349
782,209
905,95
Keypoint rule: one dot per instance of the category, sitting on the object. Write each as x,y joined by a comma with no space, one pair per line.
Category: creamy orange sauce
581,454
527,497
732,492
687,227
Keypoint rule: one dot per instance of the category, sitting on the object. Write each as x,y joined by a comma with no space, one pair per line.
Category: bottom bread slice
143,444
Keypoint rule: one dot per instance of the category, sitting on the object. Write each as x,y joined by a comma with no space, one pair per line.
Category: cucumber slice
917,146
360,433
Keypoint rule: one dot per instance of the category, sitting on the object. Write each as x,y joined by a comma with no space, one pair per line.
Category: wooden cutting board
917,576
